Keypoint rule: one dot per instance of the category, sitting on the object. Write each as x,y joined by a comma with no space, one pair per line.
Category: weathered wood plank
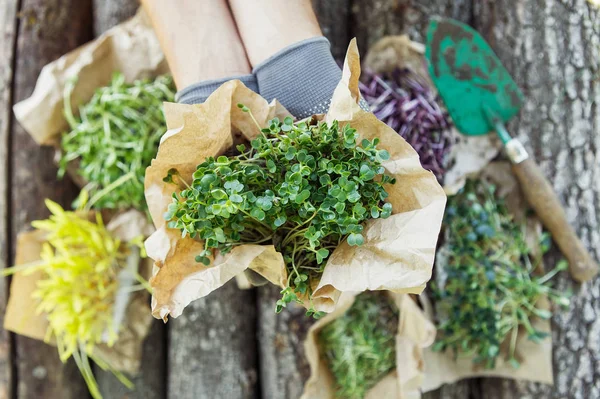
334,18
8,37
108,13
552,49
150,383
48,29
283,365
212,347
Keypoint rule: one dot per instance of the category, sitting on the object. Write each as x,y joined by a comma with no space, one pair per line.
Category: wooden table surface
231,344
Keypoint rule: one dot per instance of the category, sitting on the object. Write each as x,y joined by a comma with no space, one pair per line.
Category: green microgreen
114,138
492,290
360,346
302,187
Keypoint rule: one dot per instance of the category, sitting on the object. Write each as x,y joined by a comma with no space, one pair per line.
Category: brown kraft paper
397,254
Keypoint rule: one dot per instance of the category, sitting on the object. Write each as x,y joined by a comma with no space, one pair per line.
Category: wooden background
231,344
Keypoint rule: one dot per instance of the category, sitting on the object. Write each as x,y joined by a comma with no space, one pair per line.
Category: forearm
268,26
199,39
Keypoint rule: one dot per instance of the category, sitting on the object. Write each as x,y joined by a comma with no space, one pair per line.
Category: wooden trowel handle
541,197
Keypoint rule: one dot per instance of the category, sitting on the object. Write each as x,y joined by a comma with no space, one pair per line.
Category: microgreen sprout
80,264
303,188
115,137
360,346
492,290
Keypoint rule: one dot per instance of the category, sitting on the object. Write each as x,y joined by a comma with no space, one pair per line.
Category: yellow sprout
80,264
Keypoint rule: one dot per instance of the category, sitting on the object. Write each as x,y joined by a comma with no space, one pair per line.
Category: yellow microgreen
80,264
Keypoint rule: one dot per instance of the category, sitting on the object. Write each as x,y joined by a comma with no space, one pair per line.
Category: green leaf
280,221
322,254
207,180
258,213
236,198
303,196
374,212
325,180
203,259
383,155
386,210
218,194
355,239
291,152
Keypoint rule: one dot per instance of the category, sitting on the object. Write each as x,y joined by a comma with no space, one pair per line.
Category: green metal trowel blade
469,77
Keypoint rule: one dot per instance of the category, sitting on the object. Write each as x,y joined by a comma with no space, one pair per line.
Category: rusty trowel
481,96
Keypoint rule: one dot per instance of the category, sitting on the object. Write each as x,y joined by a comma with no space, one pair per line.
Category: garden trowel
481,96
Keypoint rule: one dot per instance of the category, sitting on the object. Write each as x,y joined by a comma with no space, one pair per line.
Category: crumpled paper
414,333
130,48
536,359
397,254
469,154
21,316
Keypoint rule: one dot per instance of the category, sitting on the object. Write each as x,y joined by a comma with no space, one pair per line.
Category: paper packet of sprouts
82,286
100,106
526,353
370,347
330,204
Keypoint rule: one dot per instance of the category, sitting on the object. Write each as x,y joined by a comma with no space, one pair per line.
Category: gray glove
199,92
302,77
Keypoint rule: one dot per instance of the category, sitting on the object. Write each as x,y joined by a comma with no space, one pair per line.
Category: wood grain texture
334,18
552,50
283,365
212,347
150,383
48,29
108,13
8,37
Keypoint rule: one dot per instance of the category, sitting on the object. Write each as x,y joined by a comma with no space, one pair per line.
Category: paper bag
536,358
397,254
414,333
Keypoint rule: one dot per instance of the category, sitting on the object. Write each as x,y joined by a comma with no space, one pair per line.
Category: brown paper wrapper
22,318
469,155
414,333
397,254
130,48
536,359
